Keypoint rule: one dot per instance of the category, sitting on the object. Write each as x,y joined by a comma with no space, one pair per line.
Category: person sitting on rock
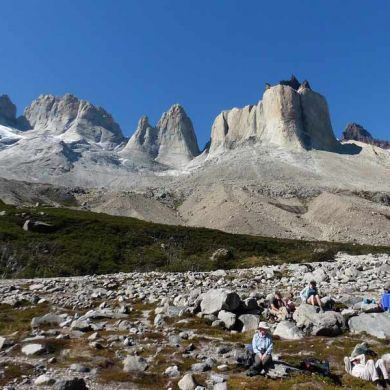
278,307
367,369
311,296
385,299
262,345
289,302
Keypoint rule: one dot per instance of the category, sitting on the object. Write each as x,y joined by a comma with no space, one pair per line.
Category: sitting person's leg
310,300
381,367
267,360
371,374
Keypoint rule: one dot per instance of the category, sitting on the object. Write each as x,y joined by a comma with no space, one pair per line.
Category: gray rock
228,319
220,386
70,384
172,371
329,323
215,300
47,319
33,349
134,364
288,330
248,322
200,367
77,367
44,380
187,382
80,325
374,324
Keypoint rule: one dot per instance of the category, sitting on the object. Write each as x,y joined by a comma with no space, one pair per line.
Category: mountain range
273,168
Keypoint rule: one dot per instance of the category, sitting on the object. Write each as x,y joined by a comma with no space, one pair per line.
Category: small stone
44,380
187,382
33,349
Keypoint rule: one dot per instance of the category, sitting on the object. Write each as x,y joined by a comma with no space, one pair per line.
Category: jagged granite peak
74,118
356,132
171,142
7,111
289,116
293,82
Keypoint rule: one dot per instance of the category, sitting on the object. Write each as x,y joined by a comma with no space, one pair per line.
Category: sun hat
263,325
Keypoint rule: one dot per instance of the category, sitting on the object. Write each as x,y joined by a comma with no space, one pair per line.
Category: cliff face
290,116
74,119
171,142
356,132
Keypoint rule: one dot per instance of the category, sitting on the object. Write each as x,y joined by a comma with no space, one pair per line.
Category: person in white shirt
369,370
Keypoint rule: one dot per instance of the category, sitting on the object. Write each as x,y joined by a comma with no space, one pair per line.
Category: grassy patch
90,243
11,371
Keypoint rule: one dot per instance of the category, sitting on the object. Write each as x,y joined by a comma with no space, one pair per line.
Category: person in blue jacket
385,299
262,345
311,296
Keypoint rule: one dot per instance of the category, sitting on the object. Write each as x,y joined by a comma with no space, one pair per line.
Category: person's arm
270,347
358,359
303,294
254,345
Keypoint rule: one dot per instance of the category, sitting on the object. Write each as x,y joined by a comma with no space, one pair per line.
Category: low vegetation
82,242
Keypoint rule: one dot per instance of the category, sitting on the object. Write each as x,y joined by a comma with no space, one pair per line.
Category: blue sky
140,57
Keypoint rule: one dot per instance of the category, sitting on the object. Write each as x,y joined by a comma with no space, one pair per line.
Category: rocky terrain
187,330
274,168
356,132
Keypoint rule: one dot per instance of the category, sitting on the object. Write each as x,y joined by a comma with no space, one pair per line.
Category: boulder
33,349
134,364
374,324
228,319
329,323
288,330
70,384
47,319
215,300
44,380
248,322
187,382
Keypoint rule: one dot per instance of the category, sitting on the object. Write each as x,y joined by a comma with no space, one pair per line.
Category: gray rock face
74,119
329,323
375,324
356,132
172,142
7,111
287,116
288,330
218,299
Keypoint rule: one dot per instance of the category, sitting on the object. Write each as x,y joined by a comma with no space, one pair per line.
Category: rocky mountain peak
171,142
290,115
76,119
356,132
7,111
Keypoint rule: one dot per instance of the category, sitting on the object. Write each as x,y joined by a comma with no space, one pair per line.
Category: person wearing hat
262,348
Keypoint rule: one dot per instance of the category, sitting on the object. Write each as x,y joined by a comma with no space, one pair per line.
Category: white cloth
368,370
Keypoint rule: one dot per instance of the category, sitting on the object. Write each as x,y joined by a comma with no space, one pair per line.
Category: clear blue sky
140,57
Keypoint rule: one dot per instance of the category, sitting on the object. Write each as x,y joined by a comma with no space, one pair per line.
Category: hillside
78,243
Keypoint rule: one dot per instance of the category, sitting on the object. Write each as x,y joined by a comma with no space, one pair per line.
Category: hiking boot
379,386
251,372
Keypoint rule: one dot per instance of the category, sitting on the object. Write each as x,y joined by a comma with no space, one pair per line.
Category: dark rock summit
356,132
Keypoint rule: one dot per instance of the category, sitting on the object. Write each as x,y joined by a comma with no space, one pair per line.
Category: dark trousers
259,364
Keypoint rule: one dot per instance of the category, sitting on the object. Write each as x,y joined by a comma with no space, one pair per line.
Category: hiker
262,348
385,299
289,302
310,295
358,366
278,307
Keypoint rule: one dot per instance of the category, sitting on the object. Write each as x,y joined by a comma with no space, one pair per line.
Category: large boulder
216,300
228,319
329,323
375,324
248,322
70,384
47,319
288,330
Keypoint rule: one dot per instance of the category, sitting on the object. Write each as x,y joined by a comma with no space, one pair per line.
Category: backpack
315,365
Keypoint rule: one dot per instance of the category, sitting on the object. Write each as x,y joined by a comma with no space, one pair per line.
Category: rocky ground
187,330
